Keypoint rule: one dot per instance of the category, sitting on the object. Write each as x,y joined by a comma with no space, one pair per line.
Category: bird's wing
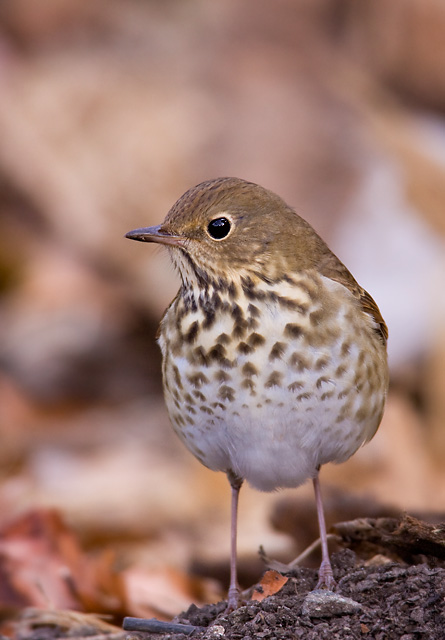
335,270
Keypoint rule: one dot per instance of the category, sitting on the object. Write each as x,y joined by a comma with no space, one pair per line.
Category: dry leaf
270,583
43,565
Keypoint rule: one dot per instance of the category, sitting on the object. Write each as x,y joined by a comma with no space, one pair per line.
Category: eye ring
219,228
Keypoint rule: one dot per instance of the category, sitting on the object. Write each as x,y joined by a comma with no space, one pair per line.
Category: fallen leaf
270,583
43,565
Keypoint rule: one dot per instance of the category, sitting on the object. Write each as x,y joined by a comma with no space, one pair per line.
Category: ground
396,601
381,600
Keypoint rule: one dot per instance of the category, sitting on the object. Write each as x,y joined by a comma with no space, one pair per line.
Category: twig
158,626
282,567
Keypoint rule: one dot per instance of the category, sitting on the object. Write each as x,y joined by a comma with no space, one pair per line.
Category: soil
390,586
391,601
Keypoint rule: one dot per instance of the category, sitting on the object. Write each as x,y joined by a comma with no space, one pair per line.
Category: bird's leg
325,575
233,595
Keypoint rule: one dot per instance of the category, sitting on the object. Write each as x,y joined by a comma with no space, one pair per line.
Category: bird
274,359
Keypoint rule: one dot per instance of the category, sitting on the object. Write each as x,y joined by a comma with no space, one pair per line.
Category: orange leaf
270,583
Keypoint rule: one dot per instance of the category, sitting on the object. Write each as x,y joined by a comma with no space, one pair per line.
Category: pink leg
325,575
234,591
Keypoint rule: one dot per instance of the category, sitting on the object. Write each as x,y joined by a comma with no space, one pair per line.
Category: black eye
219,228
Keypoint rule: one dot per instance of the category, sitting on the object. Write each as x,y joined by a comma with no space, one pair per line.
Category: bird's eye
219,228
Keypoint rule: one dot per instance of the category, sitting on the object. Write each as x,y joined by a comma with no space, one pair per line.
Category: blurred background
109,111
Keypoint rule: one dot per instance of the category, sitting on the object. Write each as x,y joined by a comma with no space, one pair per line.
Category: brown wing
332,268
370,306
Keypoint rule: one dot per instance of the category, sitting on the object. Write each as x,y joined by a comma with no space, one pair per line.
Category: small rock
215,632
326,604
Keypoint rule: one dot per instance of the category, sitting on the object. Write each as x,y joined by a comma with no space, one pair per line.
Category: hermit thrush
274,358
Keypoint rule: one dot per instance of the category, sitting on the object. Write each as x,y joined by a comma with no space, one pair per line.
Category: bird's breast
272,381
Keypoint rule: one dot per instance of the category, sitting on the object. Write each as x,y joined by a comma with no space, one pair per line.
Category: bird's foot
326,576
232,599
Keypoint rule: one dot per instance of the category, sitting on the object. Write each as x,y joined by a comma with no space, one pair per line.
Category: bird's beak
155,234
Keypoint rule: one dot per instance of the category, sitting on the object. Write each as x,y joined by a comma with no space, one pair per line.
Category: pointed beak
155,234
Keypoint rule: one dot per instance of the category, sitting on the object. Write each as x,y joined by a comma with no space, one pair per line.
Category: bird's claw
326,577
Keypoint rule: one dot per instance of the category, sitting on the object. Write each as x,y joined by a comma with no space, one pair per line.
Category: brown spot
226,393
217,352
304,396
311,288
199,395
226,363
175,394
197,379
179,419
259,405
293,330
327,395
361,358
373,378
236,312
321,381
316,317
177,377
216,301
321,363
277,351
244,348
290,303
190,409
298,362
192,332
343,394
249,369
256,340
176,347
206,409
253,310
209,317
200,357
223,338
320,338
362,413
231,288
188,398
217,405
247,383
345,412
222,376
345,349
340,371
240,328
249,289
253,323
295,386
274,380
